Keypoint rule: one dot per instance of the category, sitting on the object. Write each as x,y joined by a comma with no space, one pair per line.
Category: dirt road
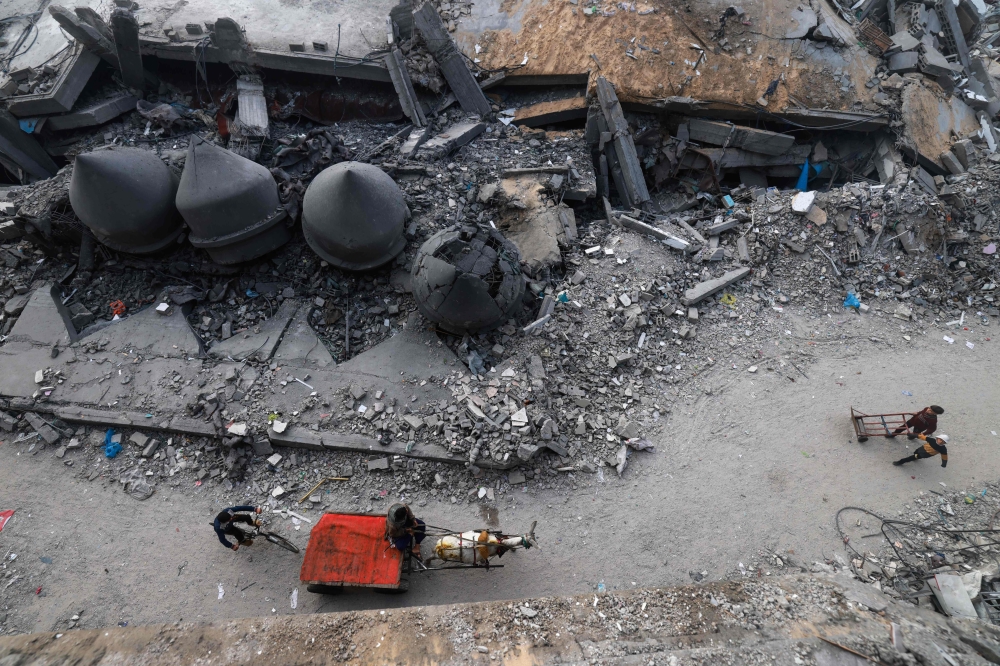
749,461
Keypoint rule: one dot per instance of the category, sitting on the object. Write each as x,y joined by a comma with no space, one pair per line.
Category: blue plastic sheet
111,449
851,301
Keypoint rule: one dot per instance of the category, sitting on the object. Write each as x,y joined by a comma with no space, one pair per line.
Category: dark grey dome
231,204
353,216
468,279
126,197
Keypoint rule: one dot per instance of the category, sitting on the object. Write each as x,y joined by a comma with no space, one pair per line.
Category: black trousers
234,531
919,454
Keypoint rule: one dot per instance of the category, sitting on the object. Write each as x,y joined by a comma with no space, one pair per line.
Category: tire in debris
231,205
468,279
353,215
126,197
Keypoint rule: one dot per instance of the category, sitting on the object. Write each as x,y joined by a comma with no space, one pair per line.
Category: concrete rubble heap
516,287
801,619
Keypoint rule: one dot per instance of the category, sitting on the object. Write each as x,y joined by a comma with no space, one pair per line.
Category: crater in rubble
468,279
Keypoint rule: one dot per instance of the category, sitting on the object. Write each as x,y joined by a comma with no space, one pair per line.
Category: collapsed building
453,188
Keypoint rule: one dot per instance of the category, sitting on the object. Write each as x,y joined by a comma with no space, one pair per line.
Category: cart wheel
862,440
325,589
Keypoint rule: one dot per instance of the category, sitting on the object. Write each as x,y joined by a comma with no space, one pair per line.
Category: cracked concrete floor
760,462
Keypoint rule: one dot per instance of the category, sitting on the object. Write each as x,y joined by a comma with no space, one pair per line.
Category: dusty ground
750,461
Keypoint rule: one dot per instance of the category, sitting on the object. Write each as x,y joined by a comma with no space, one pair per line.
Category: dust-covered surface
793,620
662,49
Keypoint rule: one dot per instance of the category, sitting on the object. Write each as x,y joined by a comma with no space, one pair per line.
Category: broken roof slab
270,29
49,45
558,39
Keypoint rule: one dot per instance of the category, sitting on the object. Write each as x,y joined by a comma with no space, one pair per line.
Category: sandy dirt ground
749,461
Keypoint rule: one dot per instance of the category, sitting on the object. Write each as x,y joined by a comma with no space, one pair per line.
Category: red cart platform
350,550
879,425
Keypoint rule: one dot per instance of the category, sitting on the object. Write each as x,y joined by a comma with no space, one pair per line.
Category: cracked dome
468,279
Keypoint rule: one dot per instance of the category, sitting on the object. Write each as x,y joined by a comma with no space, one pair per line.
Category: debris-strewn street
660,276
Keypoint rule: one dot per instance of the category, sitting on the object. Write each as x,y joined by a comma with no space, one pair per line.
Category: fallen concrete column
736,136
702,291
452,138
634,191
126,33
404,87
452,63
22,151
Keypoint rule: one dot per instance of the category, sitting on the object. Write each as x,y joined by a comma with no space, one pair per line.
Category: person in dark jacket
923,422
932,447
224,525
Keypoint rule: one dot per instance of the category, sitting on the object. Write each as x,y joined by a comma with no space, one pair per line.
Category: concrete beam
126,33
64,93
702,291
97,114
737,136
452,63
21,149
546,113
404,87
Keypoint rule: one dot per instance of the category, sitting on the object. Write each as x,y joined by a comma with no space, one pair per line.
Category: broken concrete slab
547,113
802,20
154,334
904,41
406,352
702,291
259,345
300,346
452,138
44,430
904,62
737,136
75,73
95,114
45,321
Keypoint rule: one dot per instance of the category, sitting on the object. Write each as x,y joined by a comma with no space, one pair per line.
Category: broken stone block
904,63
802,202
963,150
526,452
951,163
15,305
904,41
275,459
80,316
357,392
47,432
816,215
378,464
138,439
516,478
692,314
151,448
